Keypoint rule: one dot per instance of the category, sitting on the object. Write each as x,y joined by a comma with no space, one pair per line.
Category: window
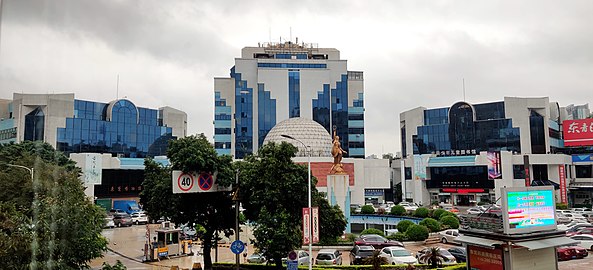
540,172
536,128
518,171
583,171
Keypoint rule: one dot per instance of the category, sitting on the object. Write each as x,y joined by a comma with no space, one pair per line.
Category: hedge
432,224
417,232
450,222
243,266
447,213
403,225
437,213
372,231
421,212
367,209
398,210
398,236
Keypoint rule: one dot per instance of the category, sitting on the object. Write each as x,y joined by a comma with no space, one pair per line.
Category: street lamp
23,167
308,148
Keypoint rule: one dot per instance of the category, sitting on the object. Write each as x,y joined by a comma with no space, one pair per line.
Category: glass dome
305,130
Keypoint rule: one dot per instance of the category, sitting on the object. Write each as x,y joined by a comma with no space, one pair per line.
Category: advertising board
527,209
484,258
578,132
494,166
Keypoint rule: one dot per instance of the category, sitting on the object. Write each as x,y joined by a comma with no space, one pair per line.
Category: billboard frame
505,208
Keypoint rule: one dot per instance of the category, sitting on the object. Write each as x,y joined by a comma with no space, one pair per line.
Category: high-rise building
276,81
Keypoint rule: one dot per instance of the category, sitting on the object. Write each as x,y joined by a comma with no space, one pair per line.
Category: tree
417,232
433,257
372,231
375,260
367,209
421,212
432,224
403,225
215,209
47,222
274,190
450,222
398,210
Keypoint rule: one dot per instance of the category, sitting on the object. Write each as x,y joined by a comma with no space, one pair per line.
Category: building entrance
465,200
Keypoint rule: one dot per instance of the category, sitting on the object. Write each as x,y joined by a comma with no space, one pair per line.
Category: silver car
303,258
328,257
449,236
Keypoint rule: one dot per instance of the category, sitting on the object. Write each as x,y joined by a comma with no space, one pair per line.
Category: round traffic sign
205,181
237,247
292,255
185,181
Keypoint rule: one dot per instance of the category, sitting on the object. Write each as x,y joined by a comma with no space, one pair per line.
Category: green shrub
398,210
450,222
367,209
447,213
417,232
421,212
561,206
432,224
403,225
372,231
399,236
437,213
461,266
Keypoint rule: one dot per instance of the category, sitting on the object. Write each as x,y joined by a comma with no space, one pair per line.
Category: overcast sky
413,53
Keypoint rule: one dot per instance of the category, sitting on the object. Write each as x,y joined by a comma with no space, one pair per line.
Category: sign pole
237,260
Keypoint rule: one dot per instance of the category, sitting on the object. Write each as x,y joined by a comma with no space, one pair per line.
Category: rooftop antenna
270,34
290,31
463,81
117,88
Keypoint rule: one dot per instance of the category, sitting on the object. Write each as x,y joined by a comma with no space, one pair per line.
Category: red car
585,230
581,252
566,253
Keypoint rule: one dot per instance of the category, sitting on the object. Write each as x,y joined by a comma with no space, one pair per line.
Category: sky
413,53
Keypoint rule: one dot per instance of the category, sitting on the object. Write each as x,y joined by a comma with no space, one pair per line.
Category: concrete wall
175,119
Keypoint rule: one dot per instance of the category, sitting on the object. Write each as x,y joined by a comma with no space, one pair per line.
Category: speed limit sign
185,182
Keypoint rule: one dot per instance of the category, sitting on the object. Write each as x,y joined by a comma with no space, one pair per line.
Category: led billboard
527,209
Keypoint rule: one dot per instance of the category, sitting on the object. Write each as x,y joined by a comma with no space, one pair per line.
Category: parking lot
126,245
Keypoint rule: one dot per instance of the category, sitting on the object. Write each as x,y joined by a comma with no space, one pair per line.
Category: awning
452,161
546,243
545,183
489,243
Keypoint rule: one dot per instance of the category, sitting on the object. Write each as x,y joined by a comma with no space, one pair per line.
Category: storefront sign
526,165
464,152
484,258
163,252
464,190
578,132
562,178
420,164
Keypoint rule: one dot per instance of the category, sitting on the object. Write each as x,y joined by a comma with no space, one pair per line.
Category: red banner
315,223
484,258
306,226
562,178
578,132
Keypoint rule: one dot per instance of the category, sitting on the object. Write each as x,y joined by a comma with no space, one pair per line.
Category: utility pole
236,199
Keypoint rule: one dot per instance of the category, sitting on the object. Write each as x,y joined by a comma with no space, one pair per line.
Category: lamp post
308,148
23,167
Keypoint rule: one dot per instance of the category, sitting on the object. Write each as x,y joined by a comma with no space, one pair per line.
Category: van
128,206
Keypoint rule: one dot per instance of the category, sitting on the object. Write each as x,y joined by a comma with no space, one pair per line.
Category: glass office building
277,81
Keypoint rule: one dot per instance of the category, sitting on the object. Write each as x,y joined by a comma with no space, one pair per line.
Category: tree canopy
274,191
45,222
214,210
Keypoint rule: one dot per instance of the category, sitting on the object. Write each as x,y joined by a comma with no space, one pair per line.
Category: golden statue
337,153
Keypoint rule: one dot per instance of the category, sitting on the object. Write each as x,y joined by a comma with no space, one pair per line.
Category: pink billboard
578,132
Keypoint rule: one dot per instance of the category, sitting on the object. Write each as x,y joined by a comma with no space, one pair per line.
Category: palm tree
433,257
375,260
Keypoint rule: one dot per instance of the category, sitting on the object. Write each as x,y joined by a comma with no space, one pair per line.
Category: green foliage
215,209
417,232
231,266
432,224
436,214
561,206
447,213
367,209
274,191
398,210
47,222
403,225
375,260
461,266
450,222
117,266
421,212
372,231
398,236
433,257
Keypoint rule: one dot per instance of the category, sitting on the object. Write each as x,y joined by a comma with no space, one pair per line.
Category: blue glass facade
356,127
121,129
339,108
243,116
291,56
290,65
222,125
480,127
266,114
294,94
321,108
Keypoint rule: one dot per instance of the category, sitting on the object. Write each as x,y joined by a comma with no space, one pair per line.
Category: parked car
580,210
139,218
109,222
451,209
356,208
328,257
114,211
576,217
359,253
128,206
578,227
410,207
562,219
588,216
566,253
573,223
302,258
474,211
449,236
122,220
458,253
256,258
581,252
376,241
564,211
582,230
389,232
445,256
586,241
397,255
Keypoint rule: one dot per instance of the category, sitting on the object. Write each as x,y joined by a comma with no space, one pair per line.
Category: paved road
129,242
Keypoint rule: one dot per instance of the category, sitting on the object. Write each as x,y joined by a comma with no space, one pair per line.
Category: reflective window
243,116
489,111
536,126
461,126
294,94
266,113
34,125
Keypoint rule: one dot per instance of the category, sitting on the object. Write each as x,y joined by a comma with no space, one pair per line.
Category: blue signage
237,247
292,265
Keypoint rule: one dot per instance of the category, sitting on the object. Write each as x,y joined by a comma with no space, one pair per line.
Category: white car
410,207
580,210
576,217
139,218
329,257
109,222
586,241
397,255
449,236
302,258
564,227
474,211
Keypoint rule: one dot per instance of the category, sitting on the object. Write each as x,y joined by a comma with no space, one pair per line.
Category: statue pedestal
338,193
